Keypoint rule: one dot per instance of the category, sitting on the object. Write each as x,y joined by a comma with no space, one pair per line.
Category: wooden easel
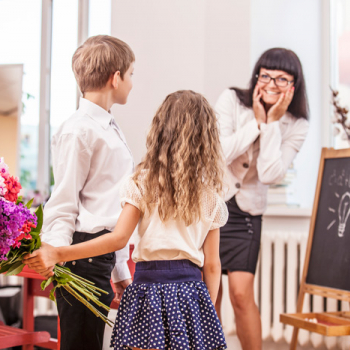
328,323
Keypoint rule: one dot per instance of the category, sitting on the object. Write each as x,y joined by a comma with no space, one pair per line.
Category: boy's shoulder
79,124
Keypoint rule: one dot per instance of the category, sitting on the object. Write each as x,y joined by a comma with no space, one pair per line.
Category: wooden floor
233,344
232,341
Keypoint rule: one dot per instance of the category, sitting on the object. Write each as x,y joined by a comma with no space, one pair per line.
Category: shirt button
90,260
245,165
238,185
73,262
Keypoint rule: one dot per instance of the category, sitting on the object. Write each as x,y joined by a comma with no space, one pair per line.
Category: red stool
10,336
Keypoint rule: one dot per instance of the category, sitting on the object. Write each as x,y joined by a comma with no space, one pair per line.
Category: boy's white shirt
90,159
255,158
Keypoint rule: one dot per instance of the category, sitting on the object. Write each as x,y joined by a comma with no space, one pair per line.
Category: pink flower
4,169
3,188
13,187
23,235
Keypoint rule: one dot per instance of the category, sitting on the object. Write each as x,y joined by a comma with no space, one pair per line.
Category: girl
261,129
174,198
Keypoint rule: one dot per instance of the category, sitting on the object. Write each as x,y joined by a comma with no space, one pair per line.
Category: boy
90,160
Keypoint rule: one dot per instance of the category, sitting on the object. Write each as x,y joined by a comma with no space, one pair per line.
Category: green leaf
47,282
29,204
14,265
15,271
42,285
4,268
19,200
32,247
63,279
52,294
37,243
39,216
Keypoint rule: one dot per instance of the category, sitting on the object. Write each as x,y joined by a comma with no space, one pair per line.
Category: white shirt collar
96,112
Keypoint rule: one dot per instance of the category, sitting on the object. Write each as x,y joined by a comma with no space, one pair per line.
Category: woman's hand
42,260
258,108
280,107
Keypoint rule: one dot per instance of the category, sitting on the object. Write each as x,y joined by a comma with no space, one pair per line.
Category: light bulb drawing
343,213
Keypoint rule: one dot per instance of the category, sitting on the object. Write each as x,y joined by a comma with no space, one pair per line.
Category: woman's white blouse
173,240
255,158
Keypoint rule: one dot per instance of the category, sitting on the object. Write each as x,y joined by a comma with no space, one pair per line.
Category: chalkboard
329,262
326,271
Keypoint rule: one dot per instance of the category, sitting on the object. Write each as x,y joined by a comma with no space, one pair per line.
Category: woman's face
272,89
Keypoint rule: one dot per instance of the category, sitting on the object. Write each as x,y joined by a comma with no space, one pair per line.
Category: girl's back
172,239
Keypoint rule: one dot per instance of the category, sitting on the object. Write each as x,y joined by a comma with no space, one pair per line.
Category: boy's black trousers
80,328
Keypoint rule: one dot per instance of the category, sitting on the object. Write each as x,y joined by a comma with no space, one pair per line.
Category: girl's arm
47,256
212,264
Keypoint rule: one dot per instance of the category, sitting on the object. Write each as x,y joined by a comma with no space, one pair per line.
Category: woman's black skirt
240,240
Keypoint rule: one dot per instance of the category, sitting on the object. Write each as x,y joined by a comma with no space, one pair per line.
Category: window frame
43,180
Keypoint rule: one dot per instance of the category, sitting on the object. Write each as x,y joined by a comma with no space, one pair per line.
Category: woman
262,129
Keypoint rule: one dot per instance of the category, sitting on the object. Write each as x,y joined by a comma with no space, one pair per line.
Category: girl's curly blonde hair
183,158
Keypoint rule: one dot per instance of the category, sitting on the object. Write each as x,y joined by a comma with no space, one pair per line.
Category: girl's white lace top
173,240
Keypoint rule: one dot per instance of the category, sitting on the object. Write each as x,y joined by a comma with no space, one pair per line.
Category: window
64,43
340,56
20,37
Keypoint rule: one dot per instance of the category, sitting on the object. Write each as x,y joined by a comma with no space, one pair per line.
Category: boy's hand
119,289
46,273
42,260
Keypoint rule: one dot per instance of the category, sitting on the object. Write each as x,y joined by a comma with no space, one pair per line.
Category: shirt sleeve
71,163
276,154
130,193
121,270
234,141
220,214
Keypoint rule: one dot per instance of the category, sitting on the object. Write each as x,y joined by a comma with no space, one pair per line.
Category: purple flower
12,219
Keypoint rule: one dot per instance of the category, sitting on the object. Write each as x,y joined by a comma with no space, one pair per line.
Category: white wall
179,44
206,46
296,25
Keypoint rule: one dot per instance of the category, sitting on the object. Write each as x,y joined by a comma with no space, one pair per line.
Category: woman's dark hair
288,61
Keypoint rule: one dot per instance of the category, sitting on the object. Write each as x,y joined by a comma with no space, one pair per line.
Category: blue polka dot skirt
167,307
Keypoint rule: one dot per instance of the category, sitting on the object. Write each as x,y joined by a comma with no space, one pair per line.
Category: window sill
284,210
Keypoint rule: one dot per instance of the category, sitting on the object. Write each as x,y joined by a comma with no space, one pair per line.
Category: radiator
276,289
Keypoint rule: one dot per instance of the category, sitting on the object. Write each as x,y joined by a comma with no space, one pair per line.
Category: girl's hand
258,108
280,107
42,260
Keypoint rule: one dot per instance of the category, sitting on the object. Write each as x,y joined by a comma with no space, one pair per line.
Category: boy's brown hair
97,59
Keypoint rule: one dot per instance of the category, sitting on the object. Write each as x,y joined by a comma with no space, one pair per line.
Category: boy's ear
116,79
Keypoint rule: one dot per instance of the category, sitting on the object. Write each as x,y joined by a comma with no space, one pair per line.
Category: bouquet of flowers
20,235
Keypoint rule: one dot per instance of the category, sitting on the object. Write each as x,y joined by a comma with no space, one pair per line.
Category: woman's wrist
272,119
